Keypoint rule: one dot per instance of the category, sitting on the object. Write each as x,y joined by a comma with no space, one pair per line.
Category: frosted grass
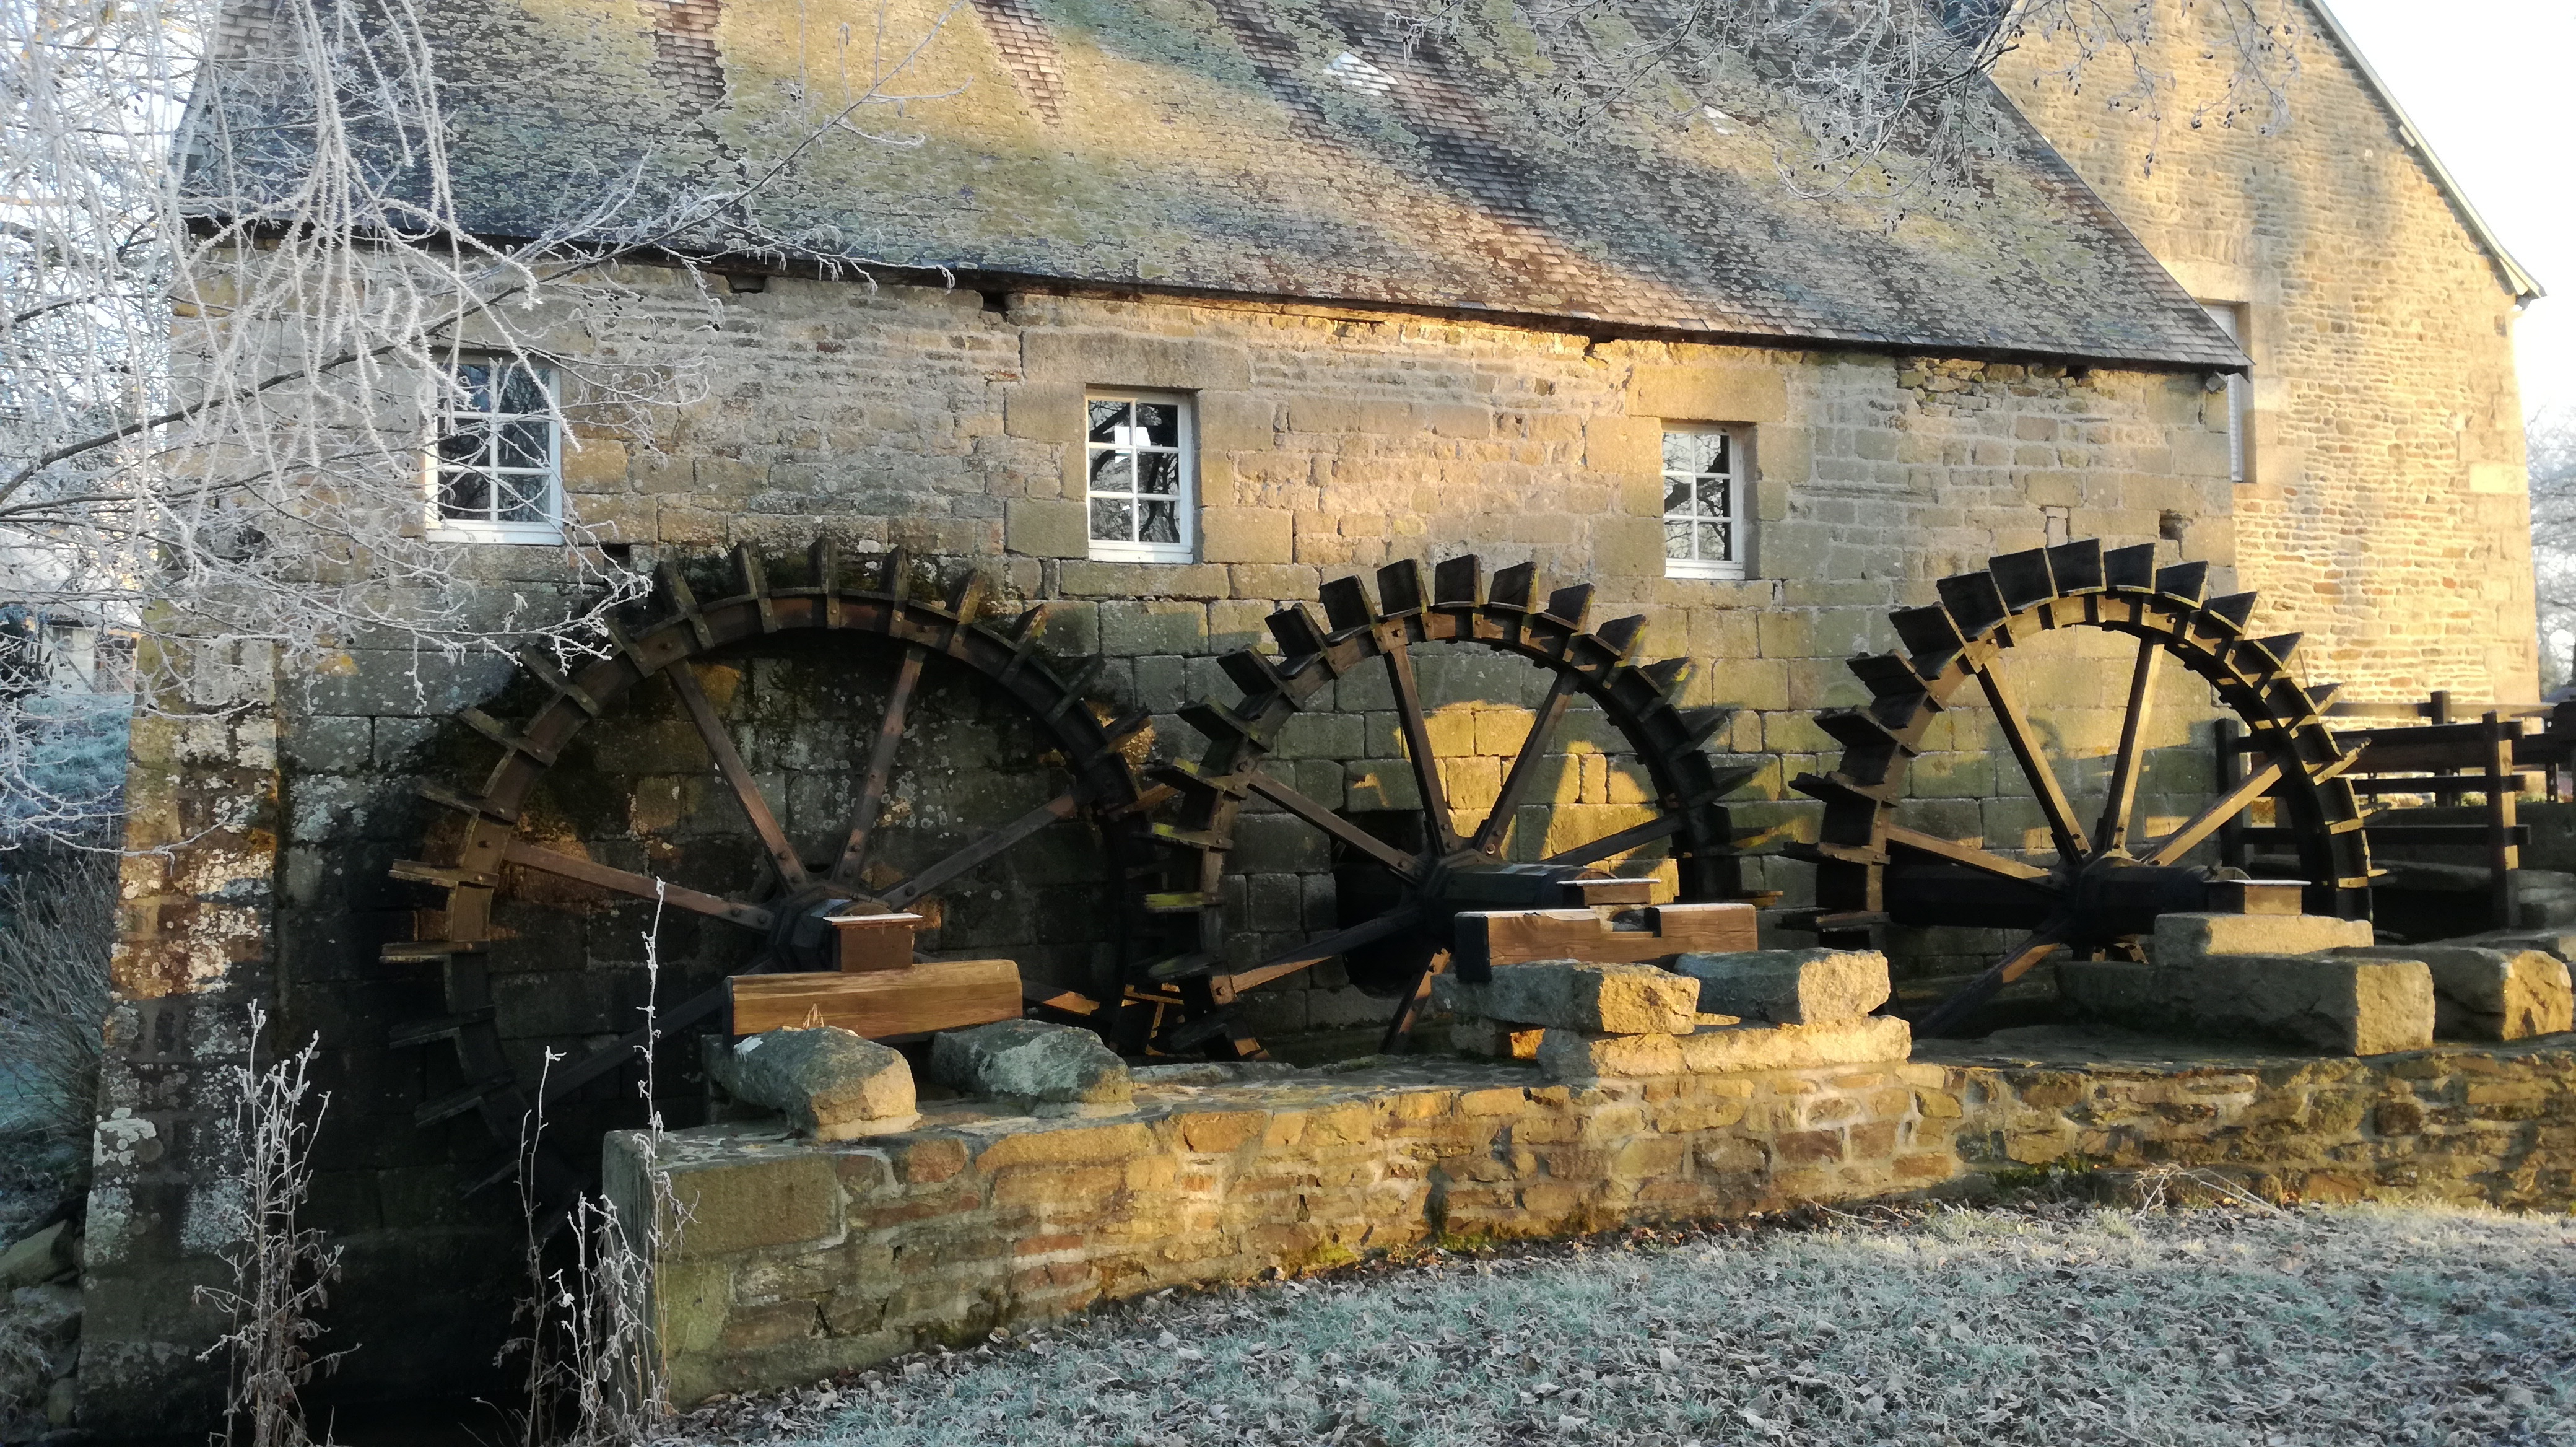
1958,1326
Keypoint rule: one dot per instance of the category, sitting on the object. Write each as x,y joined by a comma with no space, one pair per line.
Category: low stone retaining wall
2490,1124
800,1259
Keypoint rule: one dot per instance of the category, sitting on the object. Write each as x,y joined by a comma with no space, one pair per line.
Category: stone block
1789,987
1865,1041
1046,1069
1047,527
1709,394
1246,535
2490,994
2182,939
828,1082
1610,999
1572,1056
52,1254
2335,1003
1125,359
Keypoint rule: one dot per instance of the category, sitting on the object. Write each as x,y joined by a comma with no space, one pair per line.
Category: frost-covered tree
2552,440
235,296
1891,97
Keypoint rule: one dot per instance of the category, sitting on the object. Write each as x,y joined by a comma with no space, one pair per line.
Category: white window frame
1737,518
2230,317
446,528
1185,498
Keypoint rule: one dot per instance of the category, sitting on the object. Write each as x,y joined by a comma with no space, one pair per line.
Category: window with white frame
1143,477
496,466
2231,320
1705,511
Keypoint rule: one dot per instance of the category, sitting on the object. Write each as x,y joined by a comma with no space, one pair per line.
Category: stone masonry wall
2386,513
804,1259
948,422
800,1260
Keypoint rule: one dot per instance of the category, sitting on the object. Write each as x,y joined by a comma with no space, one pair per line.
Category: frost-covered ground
2056,1325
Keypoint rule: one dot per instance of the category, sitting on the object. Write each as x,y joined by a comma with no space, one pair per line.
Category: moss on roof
1282,148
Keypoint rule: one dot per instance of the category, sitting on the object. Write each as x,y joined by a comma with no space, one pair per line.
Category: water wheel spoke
1404,865
1635,835
1489,835
1062,806
737,774
2024,742
566,1079
2122,799
2183,840
2017,962
1417,748
1408,1009
872,789
1983,861
1324,947
626,881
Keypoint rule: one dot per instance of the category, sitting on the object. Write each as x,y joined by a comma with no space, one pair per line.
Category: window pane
477,381
523,499
1695,451
1113,472
1113,520
523,444
1677,540
1713,499
1161,423
520,392
1106,419
464,443
1162,524
465,494
1677,496
1158,472
1716,542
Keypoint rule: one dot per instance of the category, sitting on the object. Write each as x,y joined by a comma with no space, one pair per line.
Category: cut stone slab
2490,994
1789,987
2333,1003
2182,940
42,1257
1039,1067
1867,1040
1600,999
1574,1056
2559,942
830,1084
1578,1055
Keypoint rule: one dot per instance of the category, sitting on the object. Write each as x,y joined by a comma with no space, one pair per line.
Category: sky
2487,84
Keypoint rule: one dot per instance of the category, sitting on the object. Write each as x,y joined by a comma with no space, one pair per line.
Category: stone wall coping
2107,1051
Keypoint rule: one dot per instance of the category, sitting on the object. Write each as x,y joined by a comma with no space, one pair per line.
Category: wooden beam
1483,939
936,995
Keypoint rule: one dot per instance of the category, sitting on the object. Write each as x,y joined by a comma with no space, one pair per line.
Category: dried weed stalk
594,1357
281,1269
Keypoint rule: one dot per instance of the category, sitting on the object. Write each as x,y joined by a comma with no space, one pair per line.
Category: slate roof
1283,148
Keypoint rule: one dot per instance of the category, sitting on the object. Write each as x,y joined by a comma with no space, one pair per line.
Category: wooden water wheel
2102,881
541,852
1406,873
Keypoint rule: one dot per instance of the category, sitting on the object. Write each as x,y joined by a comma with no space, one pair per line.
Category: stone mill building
1175,314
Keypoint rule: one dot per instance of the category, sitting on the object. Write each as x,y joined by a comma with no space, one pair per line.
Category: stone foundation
802,1259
